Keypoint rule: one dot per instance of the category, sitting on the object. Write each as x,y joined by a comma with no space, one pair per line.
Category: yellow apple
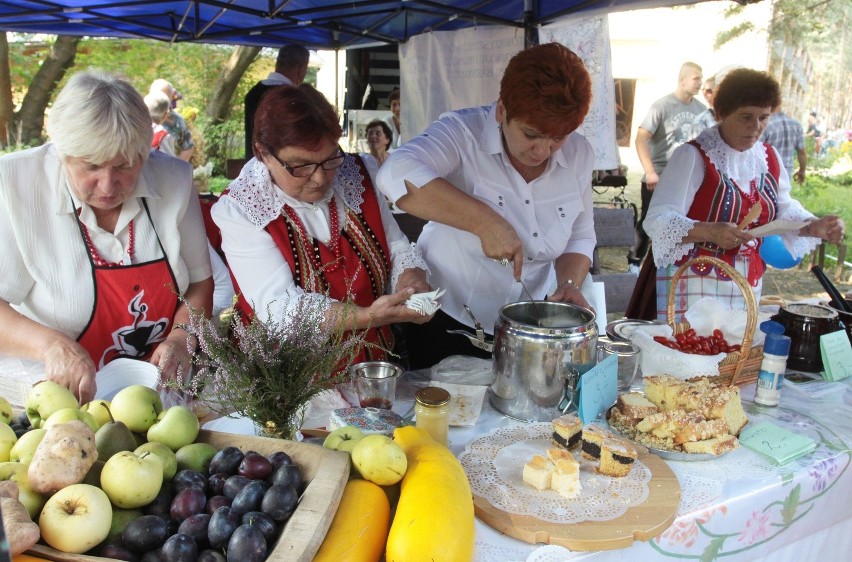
7,441
379,460
17,473
131,480
70,414
343,438
5,411
24,449
166,455
45,398
137,406
175,427
99,410
76,518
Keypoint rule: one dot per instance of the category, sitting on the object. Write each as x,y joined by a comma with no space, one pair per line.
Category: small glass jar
432,408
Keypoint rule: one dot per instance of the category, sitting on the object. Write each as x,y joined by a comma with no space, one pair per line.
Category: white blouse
262,273
666,222
47,275
552,214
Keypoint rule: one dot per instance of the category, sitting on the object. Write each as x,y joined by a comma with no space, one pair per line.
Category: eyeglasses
708,90
306,170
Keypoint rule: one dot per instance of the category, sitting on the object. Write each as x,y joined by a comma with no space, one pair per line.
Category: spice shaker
432,409
776,347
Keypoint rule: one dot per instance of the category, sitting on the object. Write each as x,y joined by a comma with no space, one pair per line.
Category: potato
21,532
63,457
9,489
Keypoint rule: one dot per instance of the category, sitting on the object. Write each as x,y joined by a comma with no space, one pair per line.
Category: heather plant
269,371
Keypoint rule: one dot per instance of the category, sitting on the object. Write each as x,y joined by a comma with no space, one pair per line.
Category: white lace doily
494,465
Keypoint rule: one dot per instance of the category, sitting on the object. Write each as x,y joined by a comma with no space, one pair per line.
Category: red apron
133,310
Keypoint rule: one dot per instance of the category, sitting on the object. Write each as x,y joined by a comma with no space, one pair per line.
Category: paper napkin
775,442
425,303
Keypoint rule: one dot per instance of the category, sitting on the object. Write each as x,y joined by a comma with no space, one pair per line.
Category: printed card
775,442
598,389
836,355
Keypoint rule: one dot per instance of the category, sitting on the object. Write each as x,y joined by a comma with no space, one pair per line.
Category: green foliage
730,34
823,194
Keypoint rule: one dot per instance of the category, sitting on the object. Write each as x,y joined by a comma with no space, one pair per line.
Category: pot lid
621,330
810,310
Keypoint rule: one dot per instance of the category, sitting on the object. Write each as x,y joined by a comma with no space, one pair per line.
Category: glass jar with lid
432,408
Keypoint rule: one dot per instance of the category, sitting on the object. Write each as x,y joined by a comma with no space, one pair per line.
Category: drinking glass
628,361
375,382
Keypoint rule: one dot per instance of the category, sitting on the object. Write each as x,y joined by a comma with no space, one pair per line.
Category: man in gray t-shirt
669,124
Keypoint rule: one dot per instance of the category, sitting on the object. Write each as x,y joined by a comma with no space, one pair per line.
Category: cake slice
592,437
566,477
715,446
538,472
701,431
617,457
663,390
567,430
725,404
634,405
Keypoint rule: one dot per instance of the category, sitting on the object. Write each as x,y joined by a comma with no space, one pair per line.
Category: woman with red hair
303,224
507,191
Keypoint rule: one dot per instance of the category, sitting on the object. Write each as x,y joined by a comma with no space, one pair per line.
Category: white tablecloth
737,507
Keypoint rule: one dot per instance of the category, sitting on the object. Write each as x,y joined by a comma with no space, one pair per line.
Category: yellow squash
360,526
434,517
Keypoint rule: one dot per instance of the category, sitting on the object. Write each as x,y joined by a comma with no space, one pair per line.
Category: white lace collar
262,201
742,166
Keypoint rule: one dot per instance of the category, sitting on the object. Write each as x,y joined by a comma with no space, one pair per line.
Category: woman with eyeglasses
302,221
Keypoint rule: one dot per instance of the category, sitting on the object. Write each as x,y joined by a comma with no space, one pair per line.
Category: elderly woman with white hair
103,245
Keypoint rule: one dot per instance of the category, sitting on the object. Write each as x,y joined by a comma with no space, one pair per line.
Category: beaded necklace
96,257
333,243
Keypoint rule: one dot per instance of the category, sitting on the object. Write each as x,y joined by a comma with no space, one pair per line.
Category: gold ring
504,262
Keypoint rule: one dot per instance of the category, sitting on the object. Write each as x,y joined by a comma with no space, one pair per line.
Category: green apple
17,473
166,455
76,518
99,410
343,438
195,456
137,406
5,411
120,519
70,414
175,427
24,449
45,398
379,460
7,440
131,480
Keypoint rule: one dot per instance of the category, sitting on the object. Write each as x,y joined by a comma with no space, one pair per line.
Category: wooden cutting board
642,522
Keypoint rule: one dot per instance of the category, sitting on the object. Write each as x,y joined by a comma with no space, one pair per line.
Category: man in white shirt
291,67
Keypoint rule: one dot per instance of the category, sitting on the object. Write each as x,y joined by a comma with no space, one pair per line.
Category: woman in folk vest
702,204
302,221
100,238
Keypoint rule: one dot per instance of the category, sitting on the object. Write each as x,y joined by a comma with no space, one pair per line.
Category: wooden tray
642,522
325,471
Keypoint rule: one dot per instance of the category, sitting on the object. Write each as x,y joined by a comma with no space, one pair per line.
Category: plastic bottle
771,376
432,408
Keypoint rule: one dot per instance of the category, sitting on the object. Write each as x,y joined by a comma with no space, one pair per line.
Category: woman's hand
726,235
569,293
66,362
390,309
829,227
413,278
172,358
500,241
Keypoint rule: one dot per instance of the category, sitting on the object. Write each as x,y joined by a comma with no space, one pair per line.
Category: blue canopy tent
316,24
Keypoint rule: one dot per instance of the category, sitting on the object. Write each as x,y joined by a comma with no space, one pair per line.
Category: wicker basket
738,367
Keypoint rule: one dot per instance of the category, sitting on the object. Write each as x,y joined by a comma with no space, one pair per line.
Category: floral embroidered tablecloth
740,506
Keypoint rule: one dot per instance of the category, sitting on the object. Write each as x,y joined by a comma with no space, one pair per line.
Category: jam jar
432,409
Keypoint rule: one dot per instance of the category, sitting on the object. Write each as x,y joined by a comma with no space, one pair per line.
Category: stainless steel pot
538,347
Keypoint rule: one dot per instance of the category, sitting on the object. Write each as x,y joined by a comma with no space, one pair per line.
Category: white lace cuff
667,233
407,259
799,246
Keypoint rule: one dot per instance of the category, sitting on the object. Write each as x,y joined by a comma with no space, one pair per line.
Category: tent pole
530,31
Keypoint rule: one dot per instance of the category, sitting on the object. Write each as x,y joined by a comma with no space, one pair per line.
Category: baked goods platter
694,420
534,484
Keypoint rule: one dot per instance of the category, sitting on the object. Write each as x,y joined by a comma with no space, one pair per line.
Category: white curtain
445,70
